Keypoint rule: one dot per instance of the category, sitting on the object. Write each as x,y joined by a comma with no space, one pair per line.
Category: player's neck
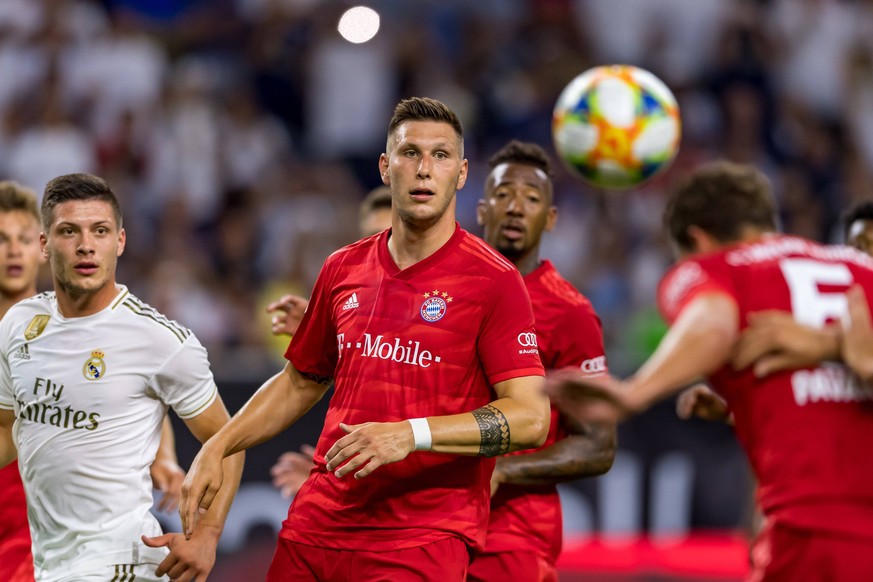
81,304
528,262
7,301
409,245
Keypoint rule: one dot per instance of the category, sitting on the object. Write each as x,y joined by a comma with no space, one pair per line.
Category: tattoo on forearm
494,430
316,378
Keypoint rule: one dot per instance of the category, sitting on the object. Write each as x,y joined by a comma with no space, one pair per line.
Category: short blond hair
14,196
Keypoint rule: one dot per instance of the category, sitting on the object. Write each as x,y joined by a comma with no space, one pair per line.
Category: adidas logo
351,303
23,353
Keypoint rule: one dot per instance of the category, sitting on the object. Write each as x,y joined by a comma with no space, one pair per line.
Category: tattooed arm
518,419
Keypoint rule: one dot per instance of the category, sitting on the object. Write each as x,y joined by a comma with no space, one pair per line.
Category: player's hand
703,403
188,560
775,341
584,398
856,341
368,446
200,487
167,477
288,311
292,469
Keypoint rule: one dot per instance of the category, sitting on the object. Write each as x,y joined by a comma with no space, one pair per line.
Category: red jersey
429,340
14,529
528,517
807,432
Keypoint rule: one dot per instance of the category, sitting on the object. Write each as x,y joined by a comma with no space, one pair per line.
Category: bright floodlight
359,24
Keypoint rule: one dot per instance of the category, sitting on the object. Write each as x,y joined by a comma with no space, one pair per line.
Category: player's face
861,235
82,245
19,253
375,221
517,208
424,168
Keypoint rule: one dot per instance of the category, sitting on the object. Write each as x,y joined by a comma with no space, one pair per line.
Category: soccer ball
616,126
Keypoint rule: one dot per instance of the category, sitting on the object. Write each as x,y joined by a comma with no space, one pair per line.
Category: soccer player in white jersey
87,373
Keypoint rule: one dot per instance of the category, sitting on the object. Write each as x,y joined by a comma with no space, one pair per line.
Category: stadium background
241,134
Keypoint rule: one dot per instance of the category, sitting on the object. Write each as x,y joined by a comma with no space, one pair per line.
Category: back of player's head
721,198
71,187
518,152
15,197
377,199
860,211
425,109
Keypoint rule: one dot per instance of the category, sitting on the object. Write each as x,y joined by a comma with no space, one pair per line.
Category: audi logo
594,365
528,339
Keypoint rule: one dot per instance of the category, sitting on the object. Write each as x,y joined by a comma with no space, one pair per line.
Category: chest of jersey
411,324
75,378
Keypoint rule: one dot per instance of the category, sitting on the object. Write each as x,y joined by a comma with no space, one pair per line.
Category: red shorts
442,561
516,566
16,563
782,553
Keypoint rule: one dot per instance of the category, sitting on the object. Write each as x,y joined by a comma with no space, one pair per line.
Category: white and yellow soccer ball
616,126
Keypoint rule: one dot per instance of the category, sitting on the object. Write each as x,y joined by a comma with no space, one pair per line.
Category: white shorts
120,573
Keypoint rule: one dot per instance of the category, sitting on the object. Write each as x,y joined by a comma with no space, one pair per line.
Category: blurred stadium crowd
241,134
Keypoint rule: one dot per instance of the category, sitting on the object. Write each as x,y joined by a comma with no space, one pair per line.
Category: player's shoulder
475,254
357,252
148,320
41,303
546,283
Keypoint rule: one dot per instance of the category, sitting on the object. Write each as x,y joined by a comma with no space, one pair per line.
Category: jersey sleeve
689,280
314,349
578,341
7,395
507,344
185,381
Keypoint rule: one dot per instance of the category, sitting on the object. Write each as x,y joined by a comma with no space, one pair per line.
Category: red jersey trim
487,255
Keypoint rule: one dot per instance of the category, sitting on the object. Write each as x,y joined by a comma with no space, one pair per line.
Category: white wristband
421,434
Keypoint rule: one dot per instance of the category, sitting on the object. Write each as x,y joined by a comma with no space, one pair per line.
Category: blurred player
424,329
775,341
292,468
87,373
804,430
525,528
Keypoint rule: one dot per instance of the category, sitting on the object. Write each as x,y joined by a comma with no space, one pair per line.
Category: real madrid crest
36,327
95,367
435,305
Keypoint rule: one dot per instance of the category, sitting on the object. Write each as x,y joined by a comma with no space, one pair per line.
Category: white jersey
89,395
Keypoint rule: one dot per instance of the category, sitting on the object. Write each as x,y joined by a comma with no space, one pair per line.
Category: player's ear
122,239
43,246
383,169
480,212
551,218
462,177
702,241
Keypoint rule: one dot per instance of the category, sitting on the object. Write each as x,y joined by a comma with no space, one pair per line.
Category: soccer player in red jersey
525,528
804,430
426,332
19,267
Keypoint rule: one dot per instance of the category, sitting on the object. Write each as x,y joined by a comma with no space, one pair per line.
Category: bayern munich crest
434,306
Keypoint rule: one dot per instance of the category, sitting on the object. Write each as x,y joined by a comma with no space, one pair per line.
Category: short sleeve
185,381
507,343
689,280
314,347
578,342
7,394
